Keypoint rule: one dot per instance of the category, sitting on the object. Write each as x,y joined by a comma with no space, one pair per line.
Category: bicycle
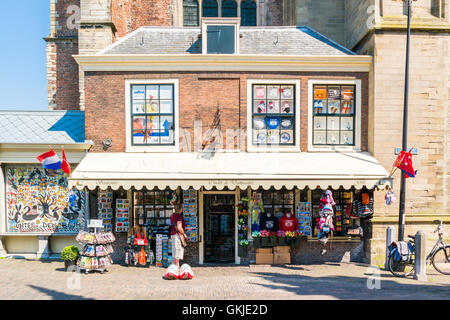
439,256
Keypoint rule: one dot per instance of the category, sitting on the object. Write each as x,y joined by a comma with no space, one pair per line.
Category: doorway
219,228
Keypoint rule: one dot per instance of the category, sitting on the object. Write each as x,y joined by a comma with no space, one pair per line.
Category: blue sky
23,24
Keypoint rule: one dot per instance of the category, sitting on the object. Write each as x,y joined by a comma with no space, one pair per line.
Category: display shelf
92,257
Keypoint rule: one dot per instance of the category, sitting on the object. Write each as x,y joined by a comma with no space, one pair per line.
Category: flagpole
401,214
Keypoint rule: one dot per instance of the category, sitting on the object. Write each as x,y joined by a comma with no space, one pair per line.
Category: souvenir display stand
138,252
303,215
97,248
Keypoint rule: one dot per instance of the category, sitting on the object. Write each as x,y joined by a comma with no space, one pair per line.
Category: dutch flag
50,160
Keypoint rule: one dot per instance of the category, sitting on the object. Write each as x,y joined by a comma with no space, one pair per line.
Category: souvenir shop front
230,201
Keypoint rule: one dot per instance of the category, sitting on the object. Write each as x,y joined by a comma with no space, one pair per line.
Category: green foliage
69,253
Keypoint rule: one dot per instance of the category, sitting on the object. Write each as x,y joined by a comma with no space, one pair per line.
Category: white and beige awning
229,169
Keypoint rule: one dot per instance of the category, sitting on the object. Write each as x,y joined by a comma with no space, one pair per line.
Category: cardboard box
282,258
264,258
264,250
282,249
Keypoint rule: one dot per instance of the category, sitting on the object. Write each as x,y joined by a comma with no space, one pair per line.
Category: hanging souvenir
286,107
272,92
286,92
261,108
261,138
259,123
273,122
285,137
390,197
334,93
273,107
320,93
318,106
286,123
273,136
333,106
347,94
346,107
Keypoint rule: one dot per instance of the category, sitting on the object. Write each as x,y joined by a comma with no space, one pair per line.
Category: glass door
219,215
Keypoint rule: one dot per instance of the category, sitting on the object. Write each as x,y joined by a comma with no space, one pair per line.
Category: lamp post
401,215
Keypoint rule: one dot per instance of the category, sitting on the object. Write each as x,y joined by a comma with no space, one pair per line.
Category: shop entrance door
219,226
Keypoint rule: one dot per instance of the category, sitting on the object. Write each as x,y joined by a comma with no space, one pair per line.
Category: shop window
278,202
229,8
152,208
152,114
210,8
343,221
273,115
248,13
334,115
190,13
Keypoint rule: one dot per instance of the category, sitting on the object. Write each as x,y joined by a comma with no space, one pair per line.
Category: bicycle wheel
441,260
401,269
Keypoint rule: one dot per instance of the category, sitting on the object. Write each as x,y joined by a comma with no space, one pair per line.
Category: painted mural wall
38,201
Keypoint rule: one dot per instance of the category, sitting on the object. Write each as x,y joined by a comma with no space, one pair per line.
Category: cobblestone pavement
26,279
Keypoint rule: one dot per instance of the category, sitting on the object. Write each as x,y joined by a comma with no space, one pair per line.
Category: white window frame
277,148
149,148
236,22
357,146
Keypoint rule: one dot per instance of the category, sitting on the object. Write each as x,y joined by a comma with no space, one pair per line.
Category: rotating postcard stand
97,248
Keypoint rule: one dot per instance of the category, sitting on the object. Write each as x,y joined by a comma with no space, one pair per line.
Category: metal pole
401,216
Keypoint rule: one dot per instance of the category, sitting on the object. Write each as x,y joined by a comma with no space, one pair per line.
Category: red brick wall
62,69
129,15
199,94
67,80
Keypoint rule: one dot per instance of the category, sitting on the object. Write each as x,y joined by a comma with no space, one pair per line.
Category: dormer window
220,35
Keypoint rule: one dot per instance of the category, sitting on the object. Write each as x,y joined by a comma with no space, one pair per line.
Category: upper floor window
335,115
248,13
274,114
152,114
210,8
190,13
229,8
220,36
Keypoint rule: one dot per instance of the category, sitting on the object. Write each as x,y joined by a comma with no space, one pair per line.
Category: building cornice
197,62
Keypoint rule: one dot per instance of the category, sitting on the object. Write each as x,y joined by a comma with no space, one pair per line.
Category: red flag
65,166
404,163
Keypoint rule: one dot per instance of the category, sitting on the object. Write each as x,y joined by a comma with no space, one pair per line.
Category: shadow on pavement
57,295
348,287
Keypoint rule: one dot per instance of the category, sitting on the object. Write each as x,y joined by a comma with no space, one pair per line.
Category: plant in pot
273,238
265,238
256,235
69,255
290,237
242,248
281,238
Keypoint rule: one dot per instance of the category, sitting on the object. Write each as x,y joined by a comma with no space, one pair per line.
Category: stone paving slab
28,279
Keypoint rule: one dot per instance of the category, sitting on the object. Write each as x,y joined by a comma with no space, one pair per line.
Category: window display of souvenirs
273,115
333,115
152,114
